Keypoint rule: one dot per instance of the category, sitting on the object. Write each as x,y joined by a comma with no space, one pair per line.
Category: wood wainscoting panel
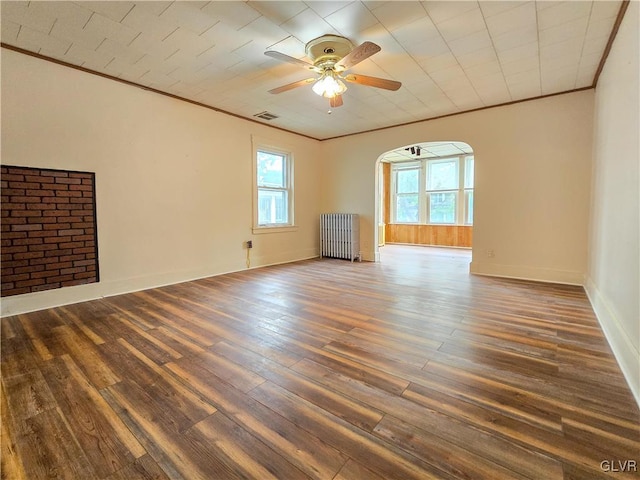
440,235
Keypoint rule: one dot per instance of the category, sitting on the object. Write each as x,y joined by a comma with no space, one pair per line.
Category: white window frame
423,164
261,145
394,189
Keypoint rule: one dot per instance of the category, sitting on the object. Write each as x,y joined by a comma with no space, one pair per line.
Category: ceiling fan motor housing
328,49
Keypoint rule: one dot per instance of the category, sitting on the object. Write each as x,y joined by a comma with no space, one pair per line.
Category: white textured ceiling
451,56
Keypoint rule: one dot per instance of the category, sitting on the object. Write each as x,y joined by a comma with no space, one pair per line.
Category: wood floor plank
342,406
305,451
245,452
409,368
90,418
144,468
391,462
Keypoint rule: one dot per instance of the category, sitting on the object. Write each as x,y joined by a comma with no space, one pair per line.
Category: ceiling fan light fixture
329,85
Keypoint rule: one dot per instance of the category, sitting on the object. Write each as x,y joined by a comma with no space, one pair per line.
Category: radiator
340,236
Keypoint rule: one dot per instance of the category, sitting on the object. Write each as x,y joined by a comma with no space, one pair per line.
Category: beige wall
173,180
613,281
532,174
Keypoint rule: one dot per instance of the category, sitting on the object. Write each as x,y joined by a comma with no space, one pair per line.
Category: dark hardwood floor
406,369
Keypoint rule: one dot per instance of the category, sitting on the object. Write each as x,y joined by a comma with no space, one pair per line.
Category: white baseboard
526,272
626,353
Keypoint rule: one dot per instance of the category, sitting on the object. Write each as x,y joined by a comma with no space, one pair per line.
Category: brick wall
49,237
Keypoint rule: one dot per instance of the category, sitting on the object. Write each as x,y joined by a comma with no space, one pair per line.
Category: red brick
85,188
45,274
82,225
24,228
25,198
14,221
16,277
22,256
91,276
27,241
56,213
54,173
82,213
70,258
72,245
6,286
30,283
83,238
71,232
56,226
44,261
42,219
57,253
4,271
65,271
71,219
14,235
13,206
42,248
38,178
69,181
68,193
15,263
57,239
20,170
84,250
25,213
14,291
13,191
25,185
43,233
80,200
48,286
12,177
61,278
16,249
30,269
83,175
83,263
41,206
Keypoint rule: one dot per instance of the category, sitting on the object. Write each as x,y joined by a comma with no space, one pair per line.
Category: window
407,195
446,196
273,172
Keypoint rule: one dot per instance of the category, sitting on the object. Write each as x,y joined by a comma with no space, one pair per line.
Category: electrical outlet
491,253
249,243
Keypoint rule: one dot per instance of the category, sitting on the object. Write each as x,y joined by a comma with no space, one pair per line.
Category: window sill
274,229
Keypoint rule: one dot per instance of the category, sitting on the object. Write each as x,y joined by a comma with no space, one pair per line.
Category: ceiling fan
332,55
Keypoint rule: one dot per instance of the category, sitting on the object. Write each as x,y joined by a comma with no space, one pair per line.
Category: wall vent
266,115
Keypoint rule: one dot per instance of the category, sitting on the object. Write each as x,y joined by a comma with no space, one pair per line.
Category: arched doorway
424,195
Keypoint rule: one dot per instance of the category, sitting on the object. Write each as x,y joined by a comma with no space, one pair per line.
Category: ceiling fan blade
358,54
286,58
291,86
336,101
373,81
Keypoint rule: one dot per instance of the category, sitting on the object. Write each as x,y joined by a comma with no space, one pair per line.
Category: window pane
468,214
407,209
408,181
442,175
272,207
271,170
442,207
468,172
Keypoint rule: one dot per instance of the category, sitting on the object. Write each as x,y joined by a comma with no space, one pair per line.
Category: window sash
273,190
